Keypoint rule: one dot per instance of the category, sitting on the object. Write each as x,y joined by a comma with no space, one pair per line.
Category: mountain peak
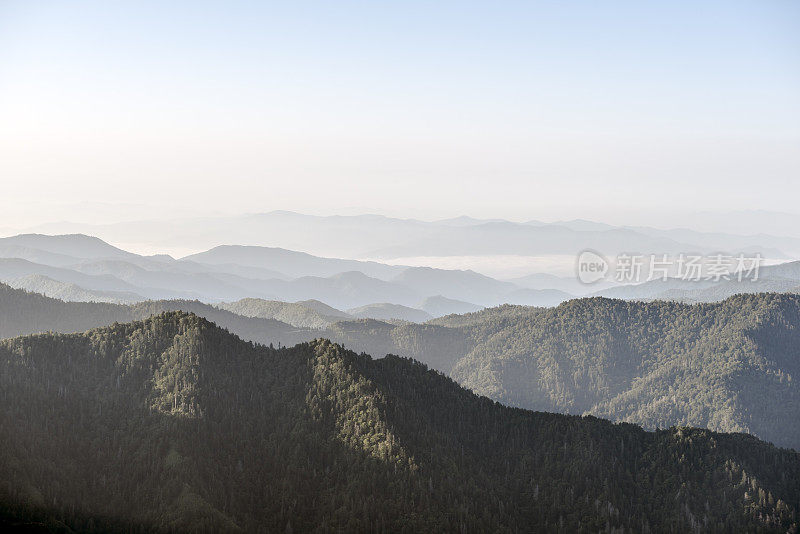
75,245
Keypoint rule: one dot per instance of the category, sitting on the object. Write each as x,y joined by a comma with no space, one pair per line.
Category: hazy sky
494,109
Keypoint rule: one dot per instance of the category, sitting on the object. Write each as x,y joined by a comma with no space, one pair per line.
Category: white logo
591,267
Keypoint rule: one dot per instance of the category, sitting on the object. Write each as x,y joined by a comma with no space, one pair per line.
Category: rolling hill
37,283
461,285
23,313
297,264
386,311
229,273
305,314
438,306
63,247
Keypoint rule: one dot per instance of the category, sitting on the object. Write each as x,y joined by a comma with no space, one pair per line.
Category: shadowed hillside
174,424
728,366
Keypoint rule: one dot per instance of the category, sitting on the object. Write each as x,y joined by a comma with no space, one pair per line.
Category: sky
520,110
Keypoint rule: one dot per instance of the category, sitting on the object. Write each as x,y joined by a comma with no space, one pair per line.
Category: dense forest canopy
730,366
173,423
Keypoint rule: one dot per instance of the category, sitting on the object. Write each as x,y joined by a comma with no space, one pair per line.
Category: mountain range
98,271
83,268
380,237
727,366
173,424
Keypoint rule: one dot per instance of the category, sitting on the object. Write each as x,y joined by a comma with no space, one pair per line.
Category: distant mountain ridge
71,292
380,237
24,313
297,264
104,268
307,314
266,273
72,245
385,311
439,306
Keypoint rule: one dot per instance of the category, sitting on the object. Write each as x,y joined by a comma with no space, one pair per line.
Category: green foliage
730,366
174,424
312,314
23,313
727,366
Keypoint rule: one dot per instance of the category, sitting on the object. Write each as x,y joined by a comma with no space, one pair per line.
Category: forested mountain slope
385,311
305,314
23,313
730,366
172,423
71,292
